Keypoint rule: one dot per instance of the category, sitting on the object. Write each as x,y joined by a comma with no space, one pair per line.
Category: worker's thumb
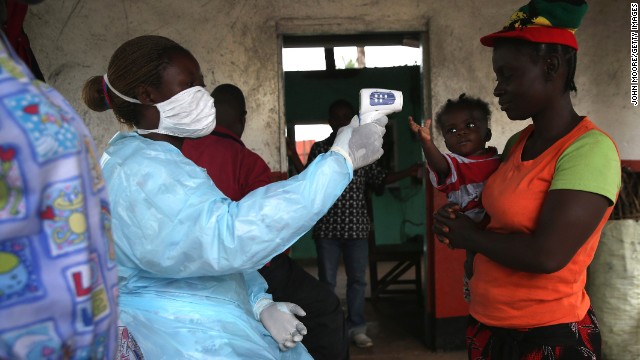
296,310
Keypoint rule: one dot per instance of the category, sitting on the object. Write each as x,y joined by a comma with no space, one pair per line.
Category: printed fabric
57,259
348,217
569,341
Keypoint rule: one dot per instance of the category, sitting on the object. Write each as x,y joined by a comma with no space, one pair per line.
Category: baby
464,124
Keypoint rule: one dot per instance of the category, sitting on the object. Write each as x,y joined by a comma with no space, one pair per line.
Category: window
377,56
309,53
303,59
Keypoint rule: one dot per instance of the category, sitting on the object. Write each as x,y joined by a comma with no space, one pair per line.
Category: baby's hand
422,131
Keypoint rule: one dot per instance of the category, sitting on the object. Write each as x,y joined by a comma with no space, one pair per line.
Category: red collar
221,131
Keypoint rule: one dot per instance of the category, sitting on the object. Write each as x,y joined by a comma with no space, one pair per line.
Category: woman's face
182,73
521,88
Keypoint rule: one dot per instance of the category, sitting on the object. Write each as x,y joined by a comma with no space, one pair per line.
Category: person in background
464,124
548,201
12,15
58,279
344,230
187,255
237,171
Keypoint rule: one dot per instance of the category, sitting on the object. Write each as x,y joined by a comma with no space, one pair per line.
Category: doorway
335,67
331,67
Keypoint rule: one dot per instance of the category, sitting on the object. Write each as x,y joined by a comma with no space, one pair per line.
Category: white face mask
189,113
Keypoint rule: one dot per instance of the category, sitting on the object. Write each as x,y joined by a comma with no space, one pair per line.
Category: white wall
237,42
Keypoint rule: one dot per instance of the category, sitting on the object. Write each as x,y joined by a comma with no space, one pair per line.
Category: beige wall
237,41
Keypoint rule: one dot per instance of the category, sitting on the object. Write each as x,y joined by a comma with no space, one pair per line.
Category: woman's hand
452,227
567,220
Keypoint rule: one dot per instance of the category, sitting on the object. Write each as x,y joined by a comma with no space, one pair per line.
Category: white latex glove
279,319
360,145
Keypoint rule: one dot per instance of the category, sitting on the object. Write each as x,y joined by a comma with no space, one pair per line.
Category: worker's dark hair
567,54
463,102
139,61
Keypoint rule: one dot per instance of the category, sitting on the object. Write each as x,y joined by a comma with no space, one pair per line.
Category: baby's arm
437,162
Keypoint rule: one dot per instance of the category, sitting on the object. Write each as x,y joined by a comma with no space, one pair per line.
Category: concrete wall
237,41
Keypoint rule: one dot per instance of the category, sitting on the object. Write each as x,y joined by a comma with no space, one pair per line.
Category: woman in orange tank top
547,202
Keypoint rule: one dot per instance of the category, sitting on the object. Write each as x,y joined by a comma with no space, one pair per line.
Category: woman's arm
171,221
256,290
567,219
585,184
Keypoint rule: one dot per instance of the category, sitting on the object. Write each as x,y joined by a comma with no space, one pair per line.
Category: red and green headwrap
543,21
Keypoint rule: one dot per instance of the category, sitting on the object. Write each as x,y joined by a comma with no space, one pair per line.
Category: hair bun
93,94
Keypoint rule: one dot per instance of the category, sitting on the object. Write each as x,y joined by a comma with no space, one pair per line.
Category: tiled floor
395,325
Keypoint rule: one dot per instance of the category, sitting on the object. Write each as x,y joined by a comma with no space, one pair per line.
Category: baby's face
464,132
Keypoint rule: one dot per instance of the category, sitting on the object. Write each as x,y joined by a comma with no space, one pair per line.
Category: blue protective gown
187,255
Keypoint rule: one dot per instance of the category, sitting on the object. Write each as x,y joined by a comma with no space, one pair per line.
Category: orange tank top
513,196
